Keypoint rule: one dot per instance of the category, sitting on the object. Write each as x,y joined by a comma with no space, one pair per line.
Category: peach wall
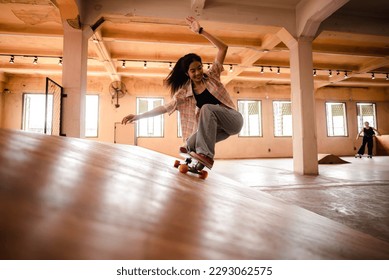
234,147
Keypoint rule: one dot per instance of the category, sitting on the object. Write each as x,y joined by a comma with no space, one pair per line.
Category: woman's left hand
194,25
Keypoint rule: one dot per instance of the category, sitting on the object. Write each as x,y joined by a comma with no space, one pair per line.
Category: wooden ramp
66,198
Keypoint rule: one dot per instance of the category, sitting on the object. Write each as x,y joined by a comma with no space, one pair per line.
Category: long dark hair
178,76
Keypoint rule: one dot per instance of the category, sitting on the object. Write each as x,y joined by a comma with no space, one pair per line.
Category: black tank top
368,132
205,98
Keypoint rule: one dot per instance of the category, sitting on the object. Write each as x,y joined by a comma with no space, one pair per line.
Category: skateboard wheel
176,163
183,168
203,174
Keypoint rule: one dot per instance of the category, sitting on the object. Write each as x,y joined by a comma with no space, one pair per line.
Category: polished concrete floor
355,194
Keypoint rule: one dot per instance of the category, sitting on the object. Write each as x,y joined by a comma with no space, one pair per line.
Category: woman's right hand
129,119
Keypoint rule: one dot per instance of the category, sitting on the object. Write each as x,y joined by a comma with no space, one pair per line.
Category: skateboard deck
191,165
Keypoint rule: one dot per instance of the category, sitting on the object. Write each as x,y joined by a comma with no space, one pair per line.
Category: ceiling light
60,61
262,71
314,73
387,77
278,70
231,70
124,64
372,76
209,66
345,74
145,65
170,66
35,60
337,72
12,59
271,70
329,73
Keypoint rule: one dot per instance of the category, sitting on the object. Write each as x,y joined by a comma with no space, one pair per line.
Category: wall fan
117,89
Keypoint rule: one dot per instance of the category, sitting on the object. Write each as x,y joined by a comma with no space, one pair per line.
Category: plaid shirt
183,100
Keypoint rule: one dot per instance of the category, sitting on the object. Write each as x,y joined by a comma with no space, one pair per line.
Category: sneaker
207,161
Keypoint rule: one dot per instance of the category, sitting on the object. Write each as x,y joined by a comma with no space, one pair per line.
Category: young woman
208,114
368,133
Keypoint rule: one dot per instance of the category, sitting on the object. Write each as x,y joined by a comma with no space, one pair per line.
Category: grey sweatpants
216,123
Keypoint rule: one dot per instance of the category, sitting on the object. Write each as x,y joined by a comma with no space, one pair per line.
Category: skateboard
361,156
191,165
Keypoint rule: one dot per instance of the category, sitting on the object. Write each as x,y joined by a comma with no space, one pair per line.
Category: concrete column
74,79
303,108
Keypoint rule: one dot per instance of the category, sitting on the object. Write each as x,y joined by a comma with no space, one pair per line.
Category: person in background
208,114
368,134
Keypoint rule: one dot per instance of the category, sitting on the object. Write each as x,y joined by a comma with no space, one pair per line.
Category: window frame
274,118
260,121
360,124
98,116
150,99
49,121
345,128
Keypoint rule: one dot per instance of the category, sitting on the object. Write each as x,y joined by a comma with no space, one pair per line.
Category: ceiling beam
250,56
197,6
310,14
105,56
69,12
374,64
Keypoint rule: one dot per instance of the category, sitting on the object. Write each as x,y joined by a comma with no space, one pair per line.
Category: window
91,115
282,111
149,127
35,116
336,119
252,122
366,113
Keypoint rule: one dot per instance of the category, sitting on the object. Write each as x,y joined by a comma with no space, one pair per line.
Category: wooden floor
66,198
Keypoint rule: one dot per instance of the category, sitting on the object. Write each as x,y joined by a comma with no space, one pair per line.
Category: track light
231,70
278,70
170,66
372,76
387,77
262,71
145,65
329,73
345,74
12,59
314,73
271,70
35,60
60,61
124,64
337,72
209,66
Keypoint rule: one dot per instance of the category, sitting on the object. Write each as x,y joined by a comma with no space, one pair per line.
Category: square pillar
303,108
74,80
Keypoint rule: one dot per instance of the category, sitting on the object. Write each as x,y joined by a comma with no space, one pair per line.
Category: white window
282,111
366,113
37,117
91,115
149,127
336,119
252,119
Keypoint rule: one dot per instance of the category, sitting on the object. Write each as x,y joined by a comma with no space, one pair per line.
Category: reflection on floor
355,194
